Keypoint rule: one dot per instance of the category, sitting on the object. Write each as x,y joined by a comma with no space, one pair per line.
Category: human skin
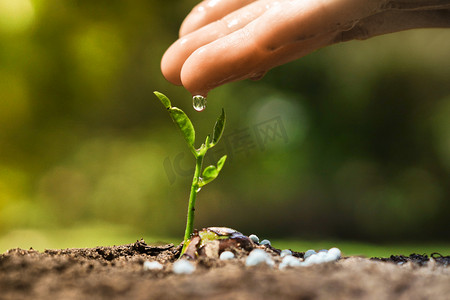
228,40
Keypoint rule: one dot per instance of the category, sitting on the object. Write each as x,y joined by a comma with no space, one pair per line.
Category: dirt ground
117,273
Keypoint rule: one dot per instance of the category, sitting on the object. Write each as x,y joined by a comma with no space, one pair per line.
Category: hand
228,40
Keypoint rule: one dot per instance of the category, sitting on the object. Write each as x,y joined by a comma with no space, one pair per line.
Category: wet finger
209,11
289,30
254,49
178,52
237,57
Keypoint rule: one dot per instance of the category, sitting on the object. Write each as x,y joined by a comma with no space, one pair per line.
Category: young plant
210,173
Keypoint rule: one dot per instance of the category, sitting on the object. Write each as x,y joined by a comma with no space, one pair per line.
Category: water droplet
199,102
200,181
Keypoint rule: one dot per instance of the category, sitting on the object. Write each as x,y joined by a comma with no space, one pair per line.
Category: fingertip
171,65
193,78
225,60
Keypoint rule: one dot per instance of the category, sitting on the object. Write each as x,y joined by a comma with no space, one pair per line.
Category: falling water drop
199,102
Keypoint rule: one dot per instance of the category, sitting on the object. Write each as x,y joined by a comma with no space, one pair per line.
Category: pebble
285,252
226,255
258,256
254,238
289,261
152,265
183,266
265,242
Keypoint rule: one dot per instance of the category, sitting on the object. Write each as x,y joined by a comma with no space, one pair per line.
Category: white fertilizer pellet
309,253
322,257
289,261
312,260
311,257
258,256
265,242
183,266
254,238
226,255
335,252
152,265
285,253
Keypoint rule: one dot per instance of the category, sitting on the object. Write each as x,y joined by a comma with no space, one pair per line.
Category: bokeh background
349,143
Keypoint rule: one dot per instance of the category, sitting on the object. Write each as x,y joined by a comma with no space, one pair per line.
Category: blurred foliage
360,144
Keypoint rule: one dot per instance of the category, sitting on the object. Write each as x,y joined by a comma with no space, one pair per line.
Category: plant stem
192,197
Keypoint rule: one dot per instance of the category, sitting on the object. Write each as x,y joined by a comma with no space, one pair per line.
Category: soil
117,273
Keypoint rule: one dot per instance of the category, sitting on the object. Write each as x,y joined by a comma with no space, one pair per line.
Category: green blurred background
351,143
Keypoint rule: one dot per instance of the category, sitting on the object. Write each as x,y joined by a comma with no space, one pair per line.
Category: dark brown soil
117,273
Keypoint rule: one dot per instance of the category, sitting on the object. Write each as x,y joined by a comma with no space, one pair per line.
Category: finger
209,11
289,30
290,22
394,21
286,32
178,52
237,57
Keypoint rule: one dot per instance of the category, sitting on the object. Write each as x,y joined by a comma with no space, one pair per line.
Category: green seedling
211,172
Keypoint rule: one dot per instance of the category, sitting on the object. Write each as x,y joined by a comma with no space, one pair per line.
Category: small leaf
185,125
221,162
218,129
209,174
163,98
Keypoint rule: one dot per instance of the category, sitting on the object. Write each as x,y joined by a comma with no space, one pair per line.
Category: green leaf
218,129
221,162
185,125
163,98
209,174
